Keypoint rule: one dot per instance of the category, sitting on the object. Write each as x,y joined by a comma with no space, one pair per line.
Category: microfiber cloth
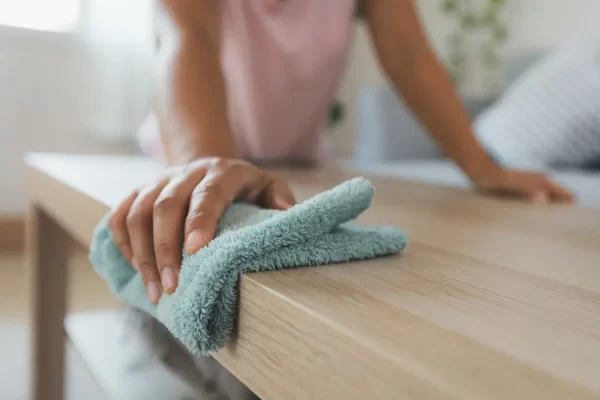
202,310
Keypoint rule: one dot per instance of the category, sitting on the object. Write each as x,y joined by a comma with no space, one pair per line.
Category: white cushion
551,114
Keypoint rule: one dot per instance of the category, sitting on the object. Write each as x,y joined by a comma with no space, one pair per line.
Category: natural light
43,15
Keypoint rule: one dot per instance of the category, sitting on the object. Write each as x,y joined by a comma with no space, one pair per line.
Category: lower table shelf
121,362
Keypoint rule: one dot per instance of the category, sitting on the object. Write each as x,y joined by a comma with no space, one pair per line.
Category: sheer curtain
118,43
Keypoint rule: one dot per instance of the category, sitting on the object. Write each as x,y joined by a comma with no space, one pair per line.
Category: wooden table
492,300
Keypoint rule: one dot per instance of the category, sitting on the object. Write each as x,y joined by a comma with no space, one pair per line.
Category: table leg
48,253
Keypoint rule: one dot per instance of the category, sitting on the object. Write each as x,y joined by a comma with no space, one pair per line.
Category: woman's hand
535,187
150,225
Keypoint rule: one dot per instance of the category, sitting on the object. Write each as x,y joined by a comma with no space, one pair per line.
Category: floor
88,293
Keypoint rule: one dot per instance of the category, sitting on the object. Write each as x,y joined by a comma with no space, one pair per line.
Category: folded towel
201,312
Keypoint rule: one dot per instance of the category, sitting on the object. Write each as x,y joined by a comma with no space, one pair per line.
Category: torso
282,61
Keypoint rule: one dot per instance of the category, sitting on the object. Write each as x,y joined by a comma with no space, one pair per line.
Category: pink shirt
282,61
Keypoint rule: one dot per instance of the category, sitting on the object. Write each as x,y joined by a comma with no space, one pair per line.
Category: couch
392,143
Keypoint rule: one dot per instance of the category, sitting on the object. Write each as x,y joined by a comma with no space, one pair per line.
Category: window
42,15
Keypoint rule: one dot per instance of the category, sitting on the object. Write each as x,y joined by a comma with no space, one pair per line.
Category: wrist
481,168
187,157
187,147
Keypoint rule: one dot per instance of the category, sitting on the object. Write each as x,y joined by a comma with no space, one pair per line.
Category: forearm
190,98
430,94
407,59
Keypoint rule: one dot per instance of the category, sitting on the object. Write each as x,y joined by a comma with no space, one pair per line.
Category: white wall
46,104
534,25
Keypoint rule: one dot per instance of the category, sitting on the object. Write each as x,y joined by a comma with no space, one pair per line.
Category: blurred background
76,76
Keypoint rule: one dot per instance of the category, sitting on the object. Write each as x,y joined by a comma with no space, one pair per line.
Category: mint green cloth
202,310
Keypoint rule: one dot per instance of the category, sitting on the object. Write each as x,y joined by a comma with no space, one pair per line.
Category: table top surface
492,298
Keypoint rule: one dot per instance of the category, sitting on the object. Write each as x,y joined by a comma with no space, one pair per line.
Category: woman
241,84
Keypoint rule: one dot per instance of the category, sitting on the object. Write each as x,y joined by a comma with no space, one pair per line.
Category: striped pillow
550,115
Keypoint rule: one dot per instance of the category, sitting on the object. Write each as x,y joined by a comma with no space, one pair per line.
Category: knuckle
117,218
164,247
122,240
201,163
220,163
238,168
114,223
165,204
195,217
185,170
213,189
123,245
146,264
135,219
148,270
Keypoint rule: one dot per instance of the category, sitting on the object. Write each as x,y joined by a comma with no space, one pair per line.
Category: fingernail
169,280
153,292
134,264
195,241
282,203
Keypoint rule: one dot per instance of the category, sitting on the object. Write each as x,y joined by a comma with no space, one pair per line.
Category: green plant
336,113
482,20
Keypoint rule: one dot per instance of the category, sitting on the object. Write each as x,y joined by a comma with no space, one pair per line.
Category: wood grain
493,299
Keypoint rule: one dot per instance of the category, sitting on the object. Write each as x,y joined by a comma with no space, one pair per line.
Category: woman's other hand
535,187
